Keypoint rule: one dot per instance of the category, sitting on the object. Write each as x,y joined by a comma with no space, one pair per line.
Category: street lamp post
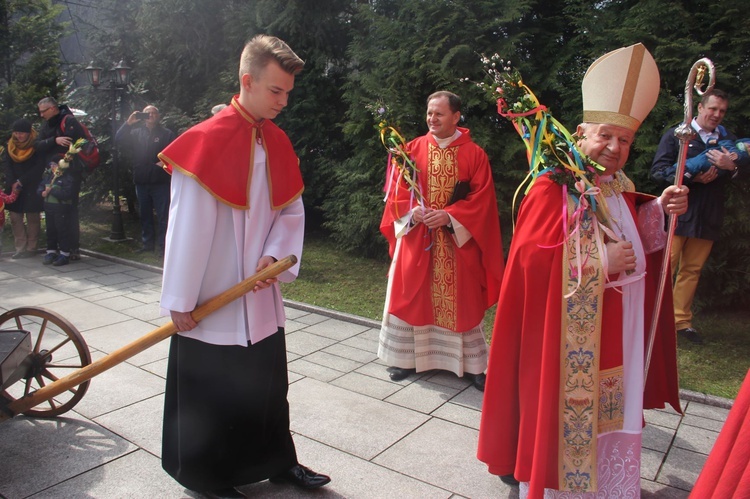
117,83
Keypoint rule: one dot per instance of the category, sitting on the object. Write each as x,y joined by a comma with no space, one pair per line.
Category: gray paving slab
704,423
364,341
695,439
144,294
657,438
348,421
434,453
422,396
651,463
38,453
332,328
375,437
16,293
84,314
355,354
304,367
663,418
120,302
333,361
366,385
159,368
144,312
458,414
681,468
139,423
110,337
655,490
310,319
118,387
135,475
351,476
304,343
707,411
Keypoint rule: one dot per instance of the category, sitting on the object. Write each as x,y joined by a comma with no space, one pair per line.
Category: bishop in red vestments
563,410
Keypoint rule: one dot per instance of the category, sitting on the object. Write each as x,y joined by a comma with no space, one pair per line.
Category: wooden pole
84,374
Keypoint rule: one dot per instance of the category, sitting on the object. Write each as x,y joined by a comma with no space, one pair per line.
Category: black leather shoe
398,373
22,254
478,380
509,480
228,493
691,335
302,476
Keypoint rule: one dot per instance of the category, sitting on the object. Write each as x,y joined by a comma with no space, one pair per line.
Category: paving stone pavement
376,438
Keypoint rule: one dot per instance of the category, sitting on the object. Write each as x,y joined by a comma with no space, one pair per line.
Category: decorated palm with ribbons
551,150
402,181
401,172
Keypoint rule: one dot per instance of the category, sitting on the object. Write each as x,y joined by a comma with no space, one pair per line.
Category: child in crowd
58,190
700,163
7,199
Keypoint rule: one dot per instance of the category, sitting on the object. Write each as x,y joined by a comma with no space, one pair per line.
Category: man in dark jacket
59,130
144,138
698,228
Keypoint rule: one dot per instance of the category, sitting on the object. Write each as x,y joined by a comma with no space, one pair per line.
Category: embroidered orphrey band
443,175
580,342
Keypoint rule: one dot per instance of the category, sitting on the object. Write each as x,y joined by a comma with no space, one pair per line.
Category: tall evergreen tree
30,57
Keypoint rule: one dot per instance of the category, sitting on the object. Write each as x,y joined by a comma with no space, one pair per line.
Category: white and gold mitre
621,87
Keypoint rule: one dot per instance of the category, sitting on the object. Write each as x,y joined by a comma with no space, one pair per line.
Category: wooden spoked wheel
58,349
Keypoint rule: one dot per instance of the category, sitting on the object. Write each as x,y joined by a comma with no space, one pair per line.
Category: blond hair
262,49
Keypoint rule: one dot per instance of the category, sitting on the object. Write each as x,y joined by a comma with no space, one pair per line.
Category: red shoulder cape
219,154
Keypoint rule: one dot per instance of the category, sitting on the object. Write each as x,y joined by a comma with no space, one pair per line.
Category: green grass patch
719,365
338,281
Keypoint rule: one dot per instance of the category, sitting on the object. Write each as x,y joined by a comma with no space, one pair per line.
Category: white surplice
211,247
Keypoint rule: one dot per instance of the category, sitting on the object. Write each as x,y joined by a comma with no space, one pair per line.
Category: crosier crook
684,133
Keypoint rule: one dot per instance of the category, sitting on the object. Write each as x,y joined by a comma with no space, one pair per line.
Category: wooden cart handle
84,374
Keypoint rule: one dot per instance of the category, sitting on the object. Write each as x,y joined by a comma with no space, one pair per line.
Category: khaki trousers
688,256
25,236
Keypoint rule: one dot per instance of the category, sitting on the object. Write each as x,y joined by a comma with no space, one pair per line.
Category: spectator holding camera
143,137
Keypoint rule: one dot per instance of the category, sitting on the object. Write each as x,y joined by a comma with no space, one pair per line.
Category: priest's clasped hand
431,218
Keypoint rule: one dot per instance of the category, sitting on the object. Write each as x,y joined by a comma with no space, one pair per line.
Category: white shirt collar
443,143
705,135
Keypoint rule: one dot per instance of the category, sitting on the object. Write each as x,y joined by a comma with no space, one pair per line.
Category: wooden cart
38,347
45,364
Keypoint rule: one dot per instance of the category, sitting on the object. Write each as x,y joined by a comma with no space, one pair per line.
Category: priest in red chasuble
444,236
563,409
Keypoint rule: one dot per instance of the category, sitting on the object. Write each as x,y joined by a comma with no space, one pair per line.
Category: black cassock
226,415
